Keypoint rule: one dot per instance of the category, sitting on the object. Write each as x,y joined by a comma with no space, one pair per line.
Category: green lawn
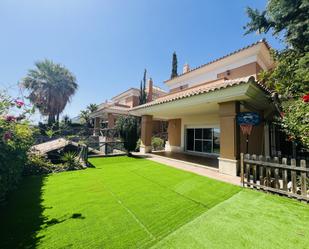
136,203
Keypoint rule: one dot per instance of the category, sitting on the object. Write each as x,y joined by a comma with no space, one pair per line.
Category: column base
228,166
145,149
169,147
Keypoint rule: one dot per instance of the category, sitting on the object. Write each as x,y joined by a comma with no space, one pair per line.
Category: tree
143,94
127,127
284,17
51,87
85,117
92,107
290,77
174,66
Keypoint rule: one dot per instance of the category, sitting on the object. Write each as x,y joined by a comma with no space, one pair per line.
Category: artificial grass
136,203
249,219
122,203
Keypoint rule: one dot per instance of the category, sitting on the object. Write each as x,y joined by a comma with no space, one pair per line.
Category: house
108,112
203,103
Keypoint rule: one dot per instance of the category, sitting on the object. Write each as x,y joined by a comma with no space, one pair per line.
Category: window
205,140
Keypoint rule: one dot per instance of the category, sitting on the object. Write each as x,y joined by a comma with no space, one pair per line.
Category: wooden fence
281,176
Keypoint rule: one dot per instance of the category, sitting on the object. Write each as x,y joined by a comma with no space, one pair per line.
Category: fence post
247,156
254,170
285,175
277,186
294,176
268,173
303,178
105,148
242,168
261,170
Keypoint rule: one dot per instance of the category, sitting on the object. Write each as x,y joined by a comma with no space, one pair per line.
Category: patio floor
202,160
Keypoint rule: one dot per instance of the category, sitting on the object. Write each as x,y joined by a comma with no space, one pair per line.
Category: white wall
200,77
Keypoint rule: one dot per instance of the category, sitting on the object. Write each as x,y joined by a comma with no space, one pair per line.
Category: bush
16,137
138,144
13,155
157,143
127,127
40,165
71,161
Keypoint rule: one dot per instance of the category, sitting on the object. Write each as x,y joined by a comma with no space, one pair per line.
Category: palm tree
51,87
85,117
92,107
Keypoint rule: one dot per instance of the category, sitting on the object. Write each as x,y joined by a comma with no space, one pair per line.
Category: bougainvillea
15,141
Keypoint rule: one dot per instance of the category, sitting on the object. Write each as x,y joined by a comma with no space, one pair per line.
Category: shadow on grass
22,216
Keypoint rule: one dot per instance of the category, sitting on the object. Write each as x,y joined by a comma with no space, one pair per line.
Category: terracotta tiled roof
200,89
218,59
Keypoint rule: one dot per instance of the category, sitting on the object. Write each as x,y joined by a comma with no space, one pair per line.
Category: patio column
174,135
110,120
229,138
96,130
146,134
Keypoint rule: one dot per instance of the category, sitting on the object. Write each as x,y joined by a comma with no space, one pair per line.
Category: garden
127,202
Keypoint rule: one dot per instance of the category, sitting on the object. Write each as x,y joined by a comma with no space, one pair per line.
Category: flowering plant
306,98
16,137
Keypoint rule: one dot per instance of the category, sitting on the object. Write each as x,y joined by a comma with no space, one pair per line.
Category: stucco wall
174,132
243,71
132,101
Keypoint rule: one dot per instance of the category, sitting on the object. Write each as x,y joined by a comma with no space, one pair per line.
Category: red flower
7,136
19,103
306,98
10,118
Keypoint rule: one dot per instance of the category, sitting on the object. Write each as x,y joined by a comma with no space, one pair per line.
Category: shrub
138,144
40,165
71,161
157,143
127,127
16,137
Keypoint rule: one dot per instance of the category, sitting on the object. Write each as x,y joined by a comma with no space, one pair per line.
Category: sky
107,44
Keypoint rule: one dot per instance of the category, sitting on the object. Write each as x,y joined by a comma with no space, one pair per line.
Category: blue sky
108,43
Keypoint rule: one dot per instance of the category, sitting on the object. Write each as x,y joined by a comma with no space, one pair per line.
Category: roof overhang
102,113
207,103
258,52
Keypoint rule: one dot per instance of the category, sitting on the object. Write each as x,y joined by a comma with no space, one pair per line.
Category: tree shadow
22,215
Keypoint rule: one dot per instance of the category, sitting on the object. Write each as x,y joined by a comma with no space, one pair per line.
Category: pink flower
19,103
10,118
7,136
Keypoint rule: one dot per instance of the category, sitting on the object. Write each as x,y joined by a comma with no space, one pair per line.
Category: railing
107,148
106,132
276,175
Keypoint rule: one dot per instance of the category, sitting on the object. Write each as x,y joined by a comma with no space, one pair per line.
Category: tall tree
51,87
174,66
127,127
289,79
143,94
92,107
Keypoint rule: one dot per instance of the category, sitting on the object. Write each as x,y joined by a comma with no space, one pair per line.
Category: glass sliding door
203,140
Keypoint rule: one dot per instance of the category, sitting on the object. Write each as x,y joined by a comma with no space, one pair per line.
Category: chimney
149,90
186,68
